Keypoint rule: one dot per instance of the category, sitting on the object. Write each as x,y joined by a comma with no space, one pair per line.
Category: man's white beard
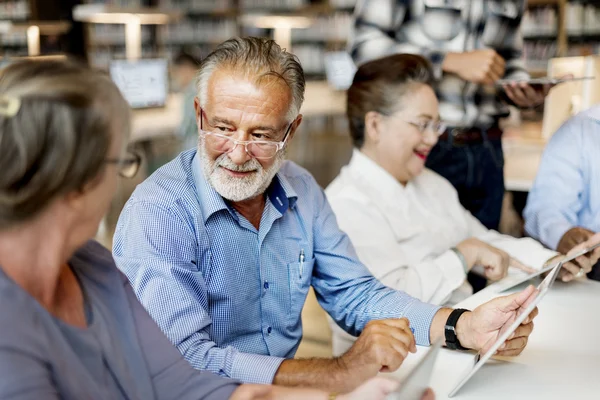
238,188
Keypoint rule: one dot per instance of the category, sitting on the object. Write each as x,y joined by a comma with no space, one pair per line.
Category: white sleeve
528,251
388,258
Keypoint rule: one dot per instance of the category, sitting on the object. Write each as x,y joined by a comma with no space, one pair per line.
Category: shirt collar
281,193
375,175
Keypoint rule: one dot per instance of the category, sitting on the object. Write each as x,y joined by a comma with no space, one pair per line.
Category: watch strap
452,341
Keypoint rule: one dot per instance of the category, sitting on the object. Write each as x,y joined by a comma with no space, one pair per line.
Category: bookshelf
202,24
23,33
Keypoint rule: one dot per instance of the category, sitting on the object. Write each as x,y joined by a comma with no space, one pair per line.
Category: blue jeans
477,172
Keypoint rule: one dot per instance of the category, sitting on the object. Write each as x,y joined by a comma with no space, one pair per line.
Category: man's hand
382,347
572,238
374,389
480,329
495,261
477,66
525,96
253,392
577,239
572,269
378,389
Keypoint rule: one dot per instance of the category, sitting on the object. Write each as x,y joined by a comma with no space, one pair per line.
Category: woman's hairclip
9,106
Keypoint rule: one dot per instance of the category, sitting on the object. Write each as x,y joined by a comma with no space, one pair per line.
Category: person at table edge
563,206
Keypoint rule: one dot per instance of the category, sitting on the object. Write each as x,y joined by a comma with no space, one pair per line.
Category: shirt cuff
255,368
420,315
555,233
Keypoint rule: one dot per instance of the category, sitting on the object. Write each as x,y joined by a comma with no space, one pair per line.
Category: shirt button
266,285
269,329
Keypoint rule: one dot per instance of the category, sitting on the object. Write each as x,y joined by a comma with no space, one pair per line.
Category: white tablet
543,81
514,281
418,380
481,359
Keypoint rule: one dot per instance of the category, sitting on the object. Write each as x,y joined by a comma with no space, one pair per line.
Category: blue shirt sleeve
154,247
555,199
348,291
172,376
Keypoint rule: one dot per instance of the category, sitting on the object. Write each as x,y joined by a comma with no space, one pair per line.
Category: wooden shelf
539,3
540,37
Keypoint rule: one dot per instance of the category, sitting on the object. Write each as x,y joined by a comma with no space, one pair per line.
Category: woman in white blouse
406,221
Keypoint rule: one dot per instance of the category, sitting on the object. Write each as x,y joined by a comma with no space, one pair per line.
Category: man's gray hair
256,57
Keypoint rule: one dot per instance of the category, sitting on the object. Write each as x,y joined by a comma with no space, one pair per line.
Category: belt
465,136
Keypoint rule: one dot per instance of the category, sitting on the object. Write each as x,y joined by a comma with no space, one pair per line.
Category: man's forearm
463,329
436,331
320,373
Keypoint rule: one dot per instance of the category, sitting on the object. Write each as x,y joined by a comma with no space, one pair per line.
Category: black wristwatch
452,341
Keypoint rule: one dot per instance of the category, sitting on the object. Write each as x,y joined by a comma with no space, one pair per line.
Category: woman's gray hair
256,57
57,120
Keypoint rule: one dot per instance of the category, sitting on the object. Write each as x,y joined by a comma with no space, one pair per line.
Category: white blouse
403,234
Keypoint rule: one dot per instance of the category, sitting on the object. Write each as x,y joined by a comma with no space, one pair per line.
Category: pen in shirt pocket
301,262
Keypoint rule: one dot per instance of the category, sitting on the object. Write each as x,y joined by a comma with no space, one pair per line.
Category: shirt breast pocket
502,23
300,274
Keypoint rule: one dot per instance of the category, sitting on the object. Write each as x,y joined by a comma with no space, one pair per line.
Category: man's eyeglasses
128,165
259,149
437,127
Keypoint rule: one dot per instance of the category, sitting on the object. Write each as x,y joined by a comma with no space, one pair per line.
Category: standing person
72,328
471,44
185,67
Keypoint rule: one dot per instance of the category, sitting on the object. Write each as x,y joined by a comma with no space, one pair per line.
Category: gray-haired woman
71,325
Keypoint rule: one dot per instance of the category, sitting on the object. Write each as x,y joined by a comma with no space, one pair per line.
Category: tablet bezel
480,360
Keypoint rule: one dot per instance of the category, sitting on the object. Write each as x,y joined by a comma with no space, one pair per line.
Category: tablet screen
415,384
481,359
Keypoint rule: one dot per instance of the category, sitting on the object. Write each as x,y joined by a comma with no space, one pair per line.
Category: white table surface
561,361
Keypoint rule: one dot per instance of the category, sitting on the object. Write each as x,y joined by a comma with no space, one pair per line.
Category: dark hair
56,125
379,85
185,58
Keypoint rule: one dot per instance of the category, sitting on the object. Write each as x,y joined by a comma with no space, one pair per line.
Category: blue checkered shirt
433,28
229,296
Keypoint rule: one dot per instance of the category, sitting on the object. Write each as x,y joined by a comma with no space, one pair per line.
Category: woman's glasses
437,127
128,165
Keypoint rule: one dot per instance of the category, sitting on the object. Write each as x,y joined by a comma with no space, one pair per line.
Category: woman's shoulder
96,262
434,183
21,319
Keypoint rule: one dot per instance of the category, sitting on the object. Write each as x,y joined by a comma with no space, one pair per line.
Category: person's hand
574,240
494,261
526,96
382,347
571,269
253,392
594,256
480,329
478,66
378,389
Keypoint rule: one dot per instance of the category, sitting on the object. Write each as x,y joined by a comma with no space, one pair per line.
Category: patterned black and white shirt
433,28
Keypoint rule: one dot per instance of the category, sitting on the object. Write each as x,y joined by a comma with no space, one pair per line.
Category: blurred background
140,43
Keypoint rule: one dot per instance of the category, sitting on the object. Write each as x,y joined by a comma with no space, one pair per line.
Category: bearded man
222,244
